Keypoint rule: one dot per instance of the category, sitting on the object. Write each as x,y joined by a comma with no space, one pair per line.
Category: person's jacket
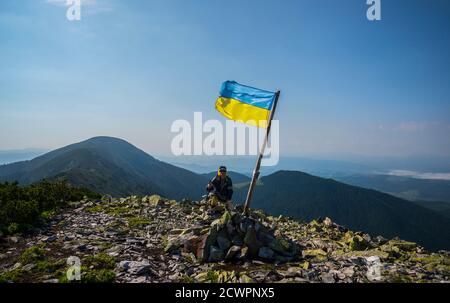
222,188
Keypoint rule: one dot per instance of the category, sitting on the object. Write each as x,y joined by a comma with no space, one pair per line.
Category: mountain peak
106,140
108,165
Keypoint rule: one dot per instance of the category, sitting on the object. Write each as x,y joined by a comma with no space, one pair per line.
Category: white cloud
419,175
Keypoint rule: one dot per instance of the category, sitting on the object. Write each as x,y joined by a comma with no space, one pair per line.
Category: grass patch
97,276
32,254
187,279
101,261
116,211
134,222
12,276
48,214
49,266
433,262
105,245
95,269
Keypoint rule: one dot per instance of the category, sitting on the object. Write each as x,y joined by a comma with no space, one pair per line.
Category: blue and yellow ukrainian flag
245,104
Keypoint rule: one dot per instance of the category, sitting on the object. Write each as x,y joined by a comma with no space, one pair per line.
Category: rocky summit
151,239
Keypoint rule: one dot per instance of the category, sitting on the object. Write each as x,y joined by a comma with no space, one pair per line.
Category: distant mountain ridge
236,177
306,197
110,166
12,156
113,166
403,187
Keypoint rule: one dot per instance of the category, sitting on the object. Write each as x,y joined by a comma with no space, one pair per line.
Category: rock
237,241
186,201
293,271
232,252
245,279
216,254
68,238
82,247
140,280
29,267
327,222
107,198
243,254
405,245
172,247
348,271
266,253
13,239
380,240
135,267
50,239
252,242
280,245
327,278
207,241
174,277
190,271
225,218
358,261
191,244
156,200
244,225
223,242
356,242
135,241
51,281
315,253
16,266
222,221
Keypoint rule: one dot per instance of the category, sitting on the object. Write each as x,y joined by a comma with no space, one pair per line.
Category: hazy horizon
420,167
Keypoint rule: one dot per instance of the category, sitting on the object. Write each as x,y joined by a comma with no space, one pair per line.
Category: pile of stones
233,237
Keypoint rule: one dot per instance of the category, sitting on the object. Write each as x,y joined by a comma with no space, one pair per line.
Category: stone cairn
233,237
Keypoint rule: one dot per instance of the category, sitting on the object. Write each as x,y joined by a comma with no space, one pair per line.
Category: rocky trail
154,240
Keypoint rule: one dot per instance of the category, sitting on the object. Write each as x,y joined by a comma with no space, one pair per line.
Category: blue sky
130,68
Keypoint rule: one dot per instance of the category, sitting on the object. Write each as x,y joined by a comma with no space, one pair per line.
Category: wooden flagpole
256,172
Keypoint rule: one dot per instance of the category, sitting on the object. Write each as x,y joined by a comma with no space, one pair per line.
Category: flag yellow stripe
243,112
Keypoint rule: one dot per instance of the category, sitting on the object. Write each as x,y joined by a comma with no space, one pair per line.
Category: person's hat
223,169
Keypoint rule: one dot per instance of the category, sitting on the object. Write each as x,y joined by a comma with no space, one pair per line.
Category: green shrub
21,207
11,276
97,276
101,261
96,269
32,254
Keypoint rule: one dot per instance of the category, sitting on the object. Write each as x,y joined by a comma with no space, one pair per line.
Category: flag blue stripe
246,94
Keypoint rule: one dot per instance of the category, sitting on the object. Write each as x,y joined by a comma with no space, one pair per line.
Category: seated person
220,188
